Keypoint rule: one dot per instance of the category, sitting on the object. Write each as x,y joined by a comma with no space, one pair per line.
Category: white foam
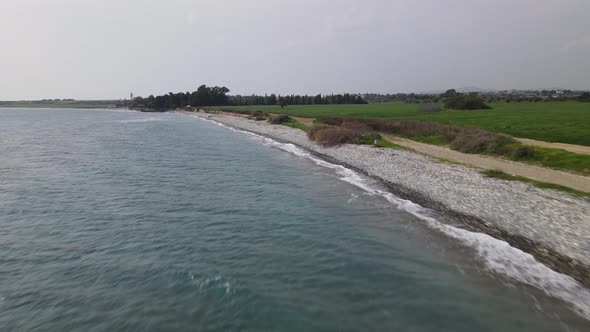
140,120
497,255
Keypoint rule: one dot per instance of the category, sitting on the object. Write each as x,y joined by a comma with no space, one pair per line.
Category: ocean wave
217,282
497,255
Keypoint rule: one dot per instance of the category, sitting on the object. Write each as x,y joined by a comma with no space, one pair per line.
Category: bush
523,152
349,132
466,102
368,139
332,136
281,118
479,141
464,139
429,108
584,97
311,132
259,118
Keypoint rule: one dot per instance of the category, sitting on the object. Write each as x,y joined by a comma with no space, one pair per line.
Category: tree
466,102
449,93
584,97
283,103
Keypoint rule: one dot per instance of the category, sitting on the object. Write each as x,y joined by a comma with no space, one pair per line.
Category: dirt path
563,146
574,181
538,173
305,121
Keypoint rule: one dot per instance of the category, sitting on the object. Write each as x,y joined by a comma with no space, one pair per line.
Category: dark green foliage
368,139
584,97
465,102
281,118
449,93
523,152
204,96
283,101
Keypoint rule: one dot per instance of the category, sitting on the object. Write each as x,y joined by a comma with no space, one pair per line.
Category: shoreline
546,249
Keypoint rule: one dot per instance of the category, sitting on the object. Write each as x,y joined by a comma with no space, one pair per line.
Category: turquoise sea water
123,221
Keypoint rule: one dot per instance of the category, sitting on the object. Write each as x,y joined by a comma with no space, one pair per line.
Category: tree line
319,99
203,96
497,96
218,96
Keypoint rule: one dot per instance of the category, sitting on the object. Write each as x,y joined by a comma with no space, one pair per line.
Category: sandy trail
574,181
563,146
538,173
305,121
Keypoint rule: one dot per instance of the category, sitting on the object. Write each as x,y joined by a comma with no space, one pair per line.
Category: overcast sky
87,49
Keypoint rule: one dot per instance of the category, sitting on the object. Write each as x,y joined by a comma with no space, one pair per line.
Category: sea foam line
497,255
140,120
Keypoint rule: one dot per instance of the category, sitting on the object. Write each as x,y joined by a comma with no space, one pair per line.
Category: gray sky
108,48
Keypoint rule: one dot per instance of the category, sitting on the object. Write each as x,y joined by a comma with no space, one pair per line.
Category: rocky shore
552,226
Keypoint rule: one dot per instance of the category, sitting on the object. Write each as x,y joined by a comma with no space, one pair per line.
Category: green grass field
565,122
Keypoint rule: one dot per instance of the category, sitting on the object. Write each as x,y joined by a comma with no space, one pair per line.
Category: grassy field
565,122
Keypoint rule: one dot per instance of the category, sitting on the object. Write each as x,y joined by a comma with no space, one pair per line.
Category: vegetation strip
551,121
543,185
544,253
468,140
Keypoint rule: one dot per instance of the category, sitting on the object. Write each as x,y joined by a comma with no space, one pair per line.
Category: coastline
551,226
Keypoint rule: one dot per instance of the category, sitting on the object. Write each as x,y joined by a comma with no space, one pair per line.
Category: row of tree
203,96
217,96
498,96
297,99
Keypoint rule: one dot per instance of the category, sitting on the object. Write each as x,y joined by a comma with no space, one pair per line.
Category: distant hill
466,89
63,103
475,89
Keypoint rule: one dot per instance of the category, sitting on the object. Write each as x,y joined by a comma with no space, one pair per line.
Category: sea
113,220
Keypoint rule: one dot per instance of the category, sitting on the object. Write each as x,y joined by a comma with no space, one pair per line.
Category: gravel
556,221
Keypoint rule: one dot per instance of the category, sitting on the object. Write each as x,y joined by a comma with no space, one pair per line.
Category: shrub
368,139
332,136
466,102
259,118
479,141
464,139
349,132
523,152
281,118
311,132
584,97
429,108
